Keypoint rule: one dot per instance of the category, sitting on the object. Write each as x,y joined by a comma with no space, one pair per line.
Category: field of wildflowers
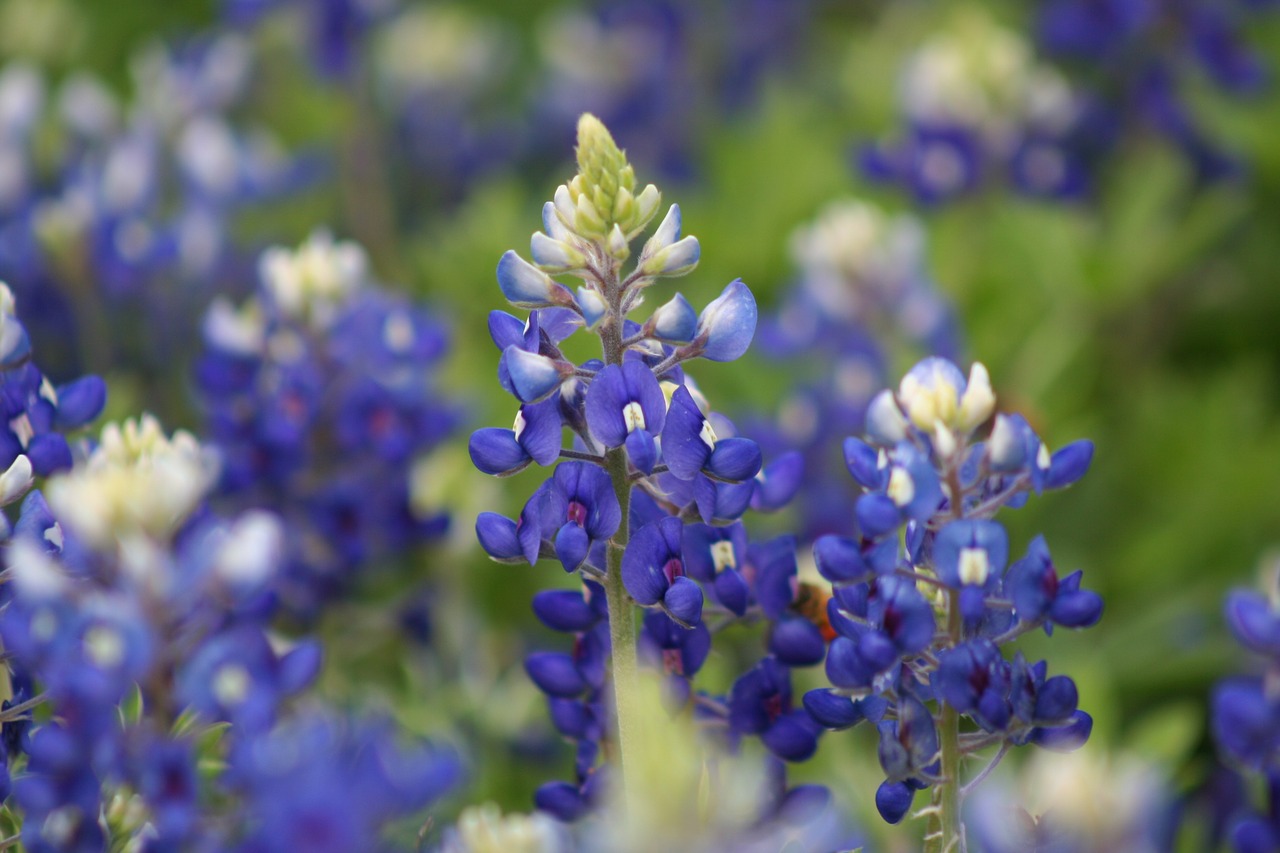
640,425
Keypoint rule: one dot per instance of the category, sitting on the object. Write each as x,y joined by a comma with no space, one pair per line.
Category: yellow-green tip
607,183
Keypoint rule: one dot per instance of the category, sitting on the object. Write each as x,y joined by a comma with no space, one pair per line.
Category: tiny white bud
902,488
722,556
974,566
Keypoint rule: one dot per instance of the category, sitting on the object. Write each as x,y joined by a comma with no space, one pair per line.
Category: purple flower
690,445
653,571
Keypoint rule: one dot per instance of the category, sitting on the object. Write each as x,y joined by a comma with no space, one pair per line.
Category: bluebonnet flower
648,456
922,602
861,296
1138,59
319,397
979,110
1246,715
34,410
119,212
143,617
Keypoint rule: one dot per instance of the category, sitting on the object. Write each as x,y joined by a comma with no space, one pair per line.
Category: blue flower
653,571
690,445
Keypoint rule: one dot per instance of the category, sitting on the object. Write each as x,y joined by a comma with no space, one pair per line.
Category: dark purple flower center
672,662
673,569
577,513
773,706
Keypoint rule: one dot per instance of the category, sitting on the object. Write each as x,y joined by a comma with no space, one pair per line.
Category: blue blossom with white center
318,394
648,455
862,293
979,109
33,410
143,618
923,597
134,223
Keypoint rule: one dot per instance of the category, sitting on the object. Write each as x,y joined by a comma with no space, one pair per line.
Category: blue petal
893,800
642,450
683,448
1066,738
497,536
506,330
732,591
543,430
793,737
831,709
564,610
862,460
533,377
555,674
49,453
561,800
778,482
526,286
728,324
1079,608
877,515
643,561
676,321
495,451
572,544
606,399
80,401
839,559
844,668
1056,700
1069,464
734,459
684,601
797,642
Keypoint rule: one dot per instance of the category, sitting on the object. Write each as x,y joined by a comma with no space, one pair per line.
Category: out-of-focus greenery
1145,319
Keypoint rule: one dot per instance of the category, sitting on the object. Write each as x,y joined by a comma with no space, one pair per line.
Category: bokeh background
1140,311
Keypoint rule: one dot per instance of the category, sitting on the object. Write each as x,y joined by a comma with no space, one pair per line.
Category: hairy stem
622,626
946,832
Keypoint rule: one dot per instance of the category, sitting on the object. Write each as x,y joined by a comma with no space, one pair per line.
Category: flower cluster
319,397
644,505
144,619
105,200
924,596
1140,60
1246,714
978,110
33,409
861,295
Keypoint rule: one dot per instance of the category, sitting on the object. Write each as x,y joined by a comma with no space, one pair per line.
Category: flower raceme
639,500
924,596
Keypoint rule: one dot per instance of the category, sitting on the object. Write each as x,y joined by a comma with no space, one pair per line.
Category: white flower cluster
982,76
856,260
313,282
138,484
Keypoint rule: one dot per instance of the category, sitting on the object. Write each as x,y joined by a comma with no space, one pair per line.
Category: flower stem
622,626
946,831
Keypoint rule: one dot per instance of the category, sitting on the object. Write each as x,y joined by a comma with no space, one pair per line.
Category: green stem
946,832
622,626
945,829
